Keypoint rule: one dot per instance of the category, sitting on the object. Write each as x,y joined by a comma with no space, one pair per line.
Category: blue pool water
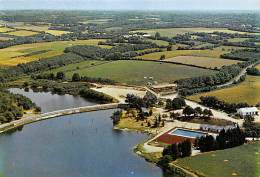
186,133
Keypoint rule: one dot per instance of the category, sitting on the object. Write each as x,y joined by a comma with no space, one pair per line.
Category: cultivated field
247,91
206,62
215,53
4,38
22,33
134,72
171,32
42,28
28,52
241,161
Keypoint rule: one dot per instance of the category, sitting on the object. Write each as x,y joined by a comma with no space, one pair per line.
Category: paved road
237,78
49,115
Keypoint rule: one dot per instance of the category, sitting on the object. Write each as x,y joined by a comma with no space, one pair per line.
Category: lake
53,102
79,145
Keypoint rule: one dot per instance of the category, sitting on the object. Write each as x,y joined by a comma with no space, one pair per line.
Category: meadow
14,55
247,91
239,161
215,53
206,62
22,33
42,28
5,29
171,32
258,66
135,72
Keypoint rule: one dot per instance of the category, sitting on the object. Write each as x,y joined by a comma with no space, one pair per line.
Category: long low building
248,111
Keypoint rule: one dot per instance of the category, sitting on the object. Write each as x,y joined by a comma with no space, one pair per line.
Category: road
49,115
237,78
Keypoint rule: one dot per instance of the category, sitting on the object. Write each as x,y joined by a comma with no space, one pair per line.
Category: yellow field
33,27
247,91
4,38
215,53
17,54
4,29
258,67
206,62
171,32
22,33
56,32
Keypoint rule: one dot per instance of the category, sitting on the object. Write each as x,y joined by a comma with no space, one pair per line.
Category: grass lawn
171,32
247,91
241,161
133,72
207,62
237,39
159,42
22,33
19,54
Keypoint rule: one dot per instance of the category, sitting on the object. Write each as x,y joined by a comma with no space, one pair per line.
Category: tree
198,111
188,111
162,57
60,75
169,48
76,77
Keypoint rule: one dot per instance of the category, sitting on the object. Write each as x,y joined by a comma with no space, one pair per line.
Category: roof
248,109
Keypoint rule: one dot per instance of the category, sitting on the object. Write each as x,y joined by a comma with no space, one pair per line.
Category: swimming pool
186,133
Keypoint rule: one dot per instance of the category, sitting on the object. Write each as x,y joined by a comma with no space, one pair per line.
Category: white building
249,111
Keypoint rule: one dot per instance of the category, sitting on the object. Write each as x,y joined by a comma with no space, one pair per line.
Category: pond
53,102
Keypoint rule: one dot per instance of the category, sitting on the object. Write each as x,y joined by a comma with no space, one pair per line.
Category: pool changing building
248,111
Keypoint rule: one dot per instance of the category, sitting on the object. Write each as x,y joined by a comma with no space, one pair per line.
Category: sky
132,4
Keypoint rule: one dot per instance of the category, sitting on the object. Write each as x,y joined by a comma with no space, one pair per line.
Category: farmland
5,29
29,52
226,163
206,62
215,53
247,91
171,32
133,72
22,33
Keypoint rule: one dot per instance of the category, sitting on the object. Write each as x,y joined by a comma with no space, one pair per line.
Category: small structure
164,89
248,111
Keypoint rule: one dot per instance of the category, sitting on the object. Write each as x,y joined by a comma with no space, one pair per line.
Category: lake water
53,102
79,145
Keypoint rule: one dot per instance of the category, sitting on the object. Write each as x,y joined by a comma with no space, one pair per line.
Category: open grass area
57,32
5,38
159,42
29,52
215,53
22,33
241,161
134,72
171,32
258,66
247,91
5,29
42,28
238,39
206,62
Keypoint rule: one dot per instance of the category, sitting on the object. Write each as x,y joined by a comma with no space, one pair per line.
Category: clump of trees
12,106
214,102
251,128
176,103
253,71
175,151
226,139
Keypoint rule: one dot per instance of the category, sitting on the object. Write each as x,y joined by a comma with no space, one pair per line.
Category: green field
133,72
243,161
206,62
171,32
25,53
258,67
247,91
215,53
